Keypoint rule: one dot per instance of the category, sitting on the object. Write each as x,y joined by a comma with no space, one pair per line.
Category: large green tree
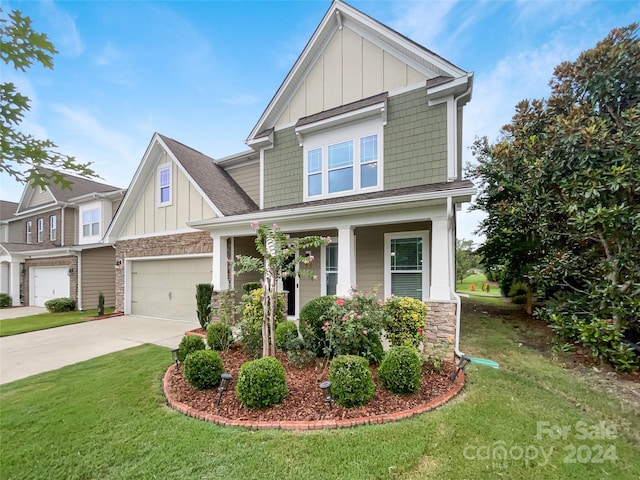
561,189
22,153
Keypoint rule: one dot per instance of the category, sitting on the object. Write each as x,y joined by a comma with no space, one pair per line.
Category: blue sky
202,72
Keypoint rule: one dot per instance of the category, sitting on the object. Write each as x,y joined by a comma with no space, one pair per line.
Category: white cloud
108,56
241,99
63,30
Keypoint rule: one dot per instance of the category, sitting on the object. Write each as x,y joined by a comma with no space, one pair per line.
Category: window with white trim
164,185
28,228
91,222
330,268
343,161
40,229
53,227
406,272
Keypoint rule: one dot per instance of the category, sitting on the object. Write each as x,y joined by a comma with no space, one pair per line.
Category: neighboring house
361,142
51,244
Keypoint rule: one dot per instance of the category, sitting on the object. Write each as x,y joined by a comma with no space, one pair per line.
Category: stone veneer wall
179,244
70,261
441,323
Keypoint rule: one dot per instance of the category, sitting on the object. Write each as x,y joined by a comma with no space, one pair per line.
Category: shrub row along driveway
35,352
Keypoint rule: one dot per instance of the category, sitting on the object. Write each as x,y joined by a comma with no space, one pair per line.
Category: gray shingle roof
214,181
349,107
7,209
79,186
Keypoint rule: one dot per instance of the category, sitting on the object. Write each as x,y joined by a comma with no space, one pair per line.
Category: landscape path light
225,380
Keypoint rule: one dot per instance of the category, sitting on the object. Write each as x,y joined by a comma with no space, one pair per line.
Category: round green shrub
311,322
5,300
285,331
405,320
261,383
219,336
56,305
400,370
251,326
203,368
352,381
188,344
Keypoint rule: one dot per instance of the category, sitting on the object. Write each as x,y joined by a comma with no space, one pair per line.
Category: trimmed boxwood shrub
311,322
285,331
261,383
219,336
400,370
5,300
352,381
203,368
56,305
189,344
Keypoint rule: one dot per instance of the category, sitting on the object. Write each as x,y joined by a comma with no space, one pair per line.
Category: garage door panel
48,283
167,288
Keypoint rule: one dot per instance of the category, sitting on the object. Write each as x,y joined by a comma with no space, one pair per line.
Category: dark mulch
304,402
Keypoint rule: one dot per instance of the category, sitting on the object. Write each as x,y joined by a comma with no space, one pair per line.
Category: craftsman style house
50,243
361,142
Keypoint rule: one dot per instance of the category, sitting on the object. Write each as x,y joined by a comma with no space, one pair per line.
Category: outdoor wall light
118,263
326,393
174,357
70,271
225,380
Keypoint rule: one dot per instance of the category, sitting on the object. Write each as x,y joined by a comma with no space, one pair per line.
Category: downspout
452,274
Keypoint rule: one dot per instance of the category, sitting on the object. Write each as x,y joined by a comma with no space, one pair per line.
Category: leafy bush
100,303
285,331
405,321
5,300
203,303
518,293
298,353
225,307
351,379
353,326
219,336
250,287
311,322
400,370
251,326
189,344
56,305
261,383
434,354
203,368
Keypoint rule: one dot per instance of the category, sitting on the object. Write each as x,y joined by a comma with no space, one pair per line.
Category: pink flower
324,327
500,188
364,331
340,302
315,277
420,330
379,301
311,258
275,226
328,239
326,323
255,225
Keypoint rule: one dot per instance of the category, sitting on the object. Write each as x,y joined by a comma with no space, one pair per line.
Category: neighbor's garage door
167,288
47,283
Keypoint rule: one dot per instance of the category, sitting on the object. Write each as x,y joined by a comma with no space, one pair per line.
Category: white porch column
219,276
346,260
14,283
440,265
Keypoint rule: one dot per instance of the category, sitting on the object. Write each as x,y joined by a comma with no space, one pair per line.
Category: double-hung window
406,272
53,227
29,227
91,222
164,185
40,229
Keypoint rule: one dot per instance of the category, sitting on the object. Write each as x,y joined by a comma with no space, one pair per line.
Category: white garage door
167,288
47,283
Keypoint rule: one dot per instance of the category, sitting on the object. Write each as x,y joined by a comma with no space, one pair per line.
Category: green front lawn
106,418
477,280
13,326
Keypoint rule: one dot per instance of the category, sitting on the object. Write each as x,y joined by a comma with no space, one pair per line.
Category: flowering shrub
405,321
352,326
352,381
311,323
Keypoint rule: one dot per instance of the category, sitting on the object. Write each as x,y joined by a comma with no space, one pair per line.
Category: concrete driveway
36,352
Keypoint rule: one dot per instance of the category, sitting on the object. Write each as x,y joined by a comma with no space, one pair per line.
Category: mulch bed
304,402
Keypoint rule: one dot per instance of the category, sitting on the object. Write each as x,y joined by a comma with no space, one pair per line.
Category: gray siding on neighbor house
415,151
415,141
248,177
98,275
283,170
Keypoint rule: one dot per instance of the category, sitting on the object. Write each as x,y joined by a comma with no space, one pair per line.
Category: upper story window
344,160
91,222
164,185
40,229
29,229
53,227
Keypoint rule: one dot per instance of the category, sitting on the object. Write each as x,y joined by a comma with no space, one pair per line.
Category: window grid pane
314,160
340,155
331,268
165,177
406,254
369,149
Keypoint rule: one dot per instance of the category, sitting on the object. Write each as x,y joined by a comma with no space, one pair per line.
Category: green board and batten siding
415,151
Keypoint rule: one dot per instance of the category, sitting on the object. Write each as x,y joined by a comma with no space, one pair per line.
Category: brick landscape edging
310,425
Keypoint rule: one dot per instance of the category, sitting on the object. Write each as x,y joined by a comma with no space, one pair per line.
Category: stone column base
441,323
